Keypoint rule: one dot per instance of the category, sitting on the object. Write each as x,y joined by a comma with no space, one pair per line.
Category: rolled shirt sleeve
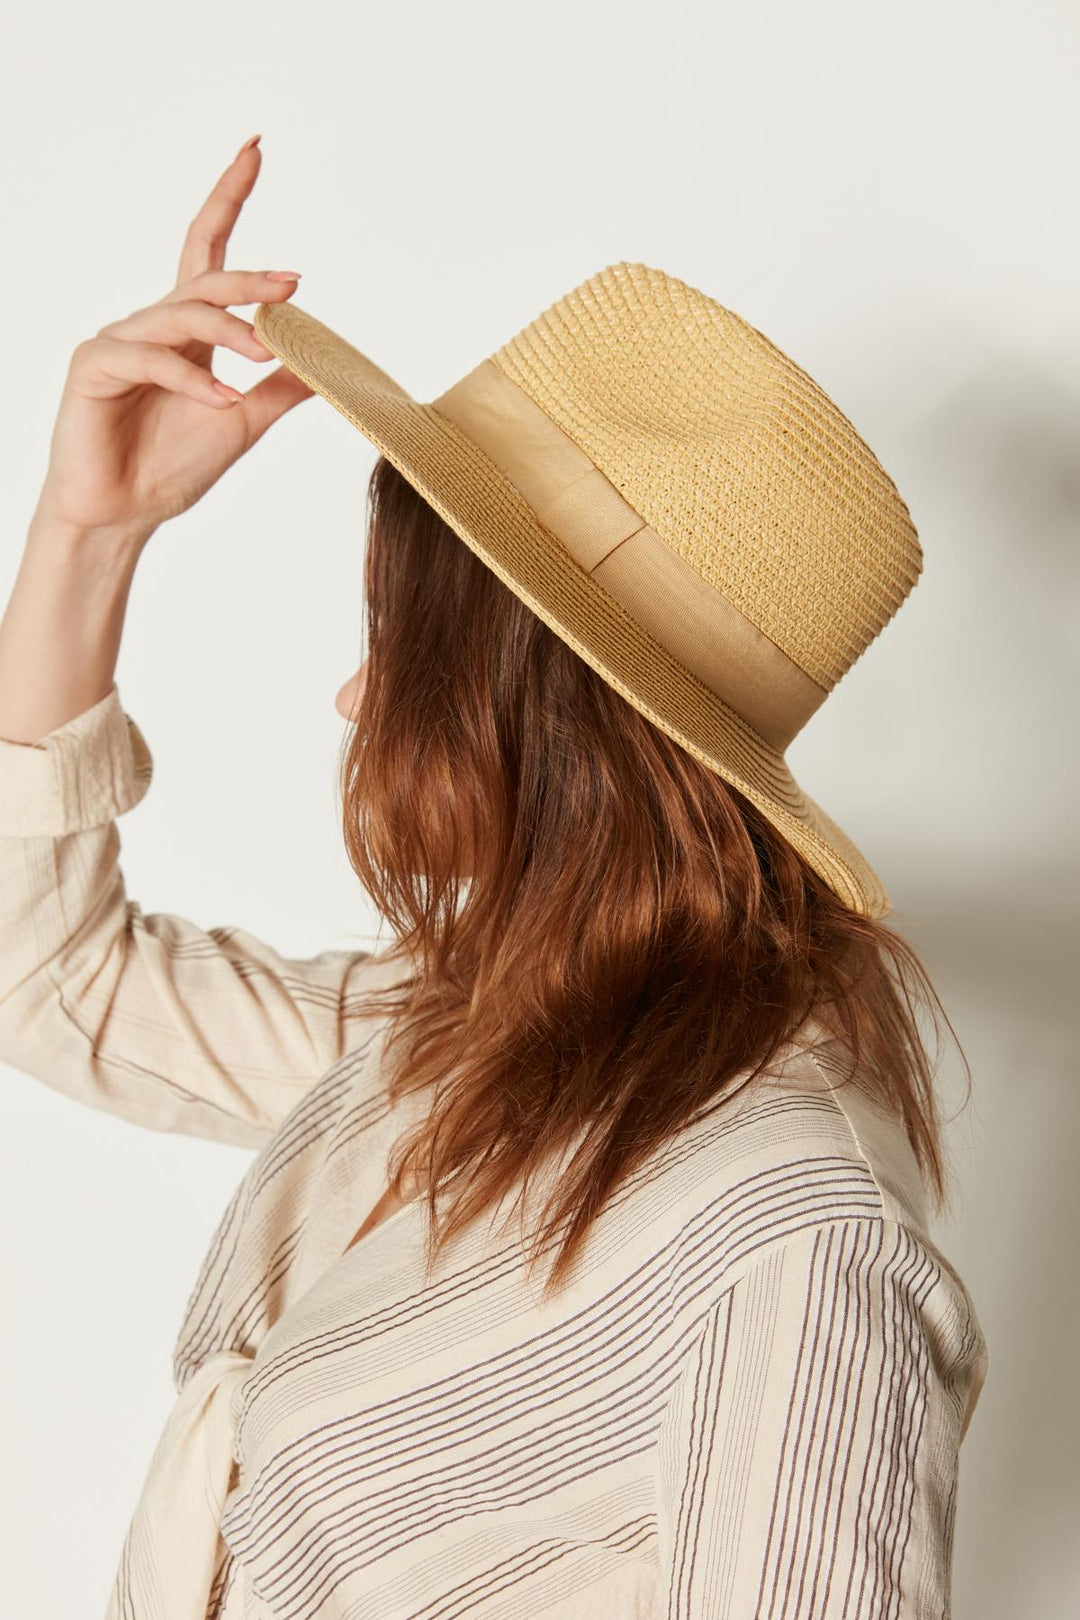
809,1457
205,1031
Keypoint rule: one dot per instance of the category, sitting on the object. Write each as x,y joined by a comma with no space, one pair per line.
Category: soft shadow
992,909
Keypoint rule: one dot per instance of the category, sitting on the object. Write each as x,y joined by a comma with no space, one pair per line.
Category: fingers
236,287
141,348
208,234
178,321
272,396
103,367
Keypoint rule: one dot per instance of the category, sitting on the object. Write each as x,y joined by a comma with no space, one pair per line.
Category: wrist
119,548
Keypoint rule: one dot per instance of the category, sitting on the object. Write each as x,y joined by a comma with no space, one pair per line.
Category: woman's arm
60,635
206,1031
808,1463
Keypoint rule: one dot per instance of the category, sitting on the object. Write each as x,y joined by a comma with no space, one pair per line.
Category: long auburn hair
600,932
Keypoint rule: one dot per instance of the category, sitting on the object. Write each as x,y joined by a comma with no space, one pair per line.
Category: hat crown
738,460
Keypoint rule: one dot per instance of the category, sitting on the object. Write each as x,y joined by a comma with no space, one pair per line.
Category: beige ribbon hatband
604,535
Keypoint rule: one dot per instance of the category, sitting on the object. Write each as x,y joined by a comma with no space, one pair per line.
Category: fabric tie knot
170,1552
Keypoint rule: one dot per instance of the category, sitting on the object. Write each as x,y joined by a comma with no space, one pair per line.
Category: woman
641,992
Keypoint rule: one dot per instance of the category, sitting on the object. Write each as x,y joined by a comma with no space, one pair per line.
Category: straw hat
676,499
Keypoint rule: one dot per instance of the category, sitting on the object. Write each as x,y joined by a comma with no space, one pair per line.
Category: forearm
60,634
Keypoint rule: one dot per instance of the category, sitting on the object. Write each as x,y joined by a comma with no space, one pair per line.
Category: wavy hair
601,933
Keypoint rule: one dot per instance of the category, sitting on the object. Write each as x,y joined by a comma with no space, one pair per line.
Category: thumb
271,397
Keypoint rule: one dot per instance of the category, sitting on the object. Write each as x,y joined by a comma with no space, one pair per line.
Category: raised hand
144,428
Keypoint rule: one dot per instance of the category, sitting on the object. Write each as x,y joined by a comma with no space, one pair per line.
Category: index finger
226,287
208,234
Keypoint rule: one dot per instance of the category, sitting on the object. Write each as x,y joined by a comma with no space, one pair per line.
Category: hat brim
489,514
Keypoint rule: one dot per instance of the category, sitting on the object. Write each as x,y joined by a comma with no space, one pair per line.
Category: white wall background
890,195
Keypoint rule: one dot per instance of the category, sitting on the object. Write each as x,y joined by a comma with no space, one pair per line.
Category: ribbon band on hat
603,533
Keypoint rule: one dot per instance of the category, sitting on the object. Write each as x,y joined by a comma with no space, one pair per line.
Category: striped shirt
748,1400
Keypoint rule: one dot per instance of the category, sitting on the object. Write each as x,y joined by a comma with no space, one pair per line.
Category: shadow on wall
992,908
1001,456
1003,953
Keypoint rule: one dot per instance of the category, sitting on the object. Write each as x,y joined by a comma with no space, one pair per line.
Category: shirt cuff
83,774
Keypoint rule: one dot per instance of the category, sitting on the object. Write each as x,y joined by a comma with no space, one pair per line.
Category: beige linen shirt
748,1401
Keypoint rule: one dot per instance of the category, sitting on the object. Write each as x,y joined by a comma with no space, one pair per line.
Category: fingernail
229,393
253,141
283,275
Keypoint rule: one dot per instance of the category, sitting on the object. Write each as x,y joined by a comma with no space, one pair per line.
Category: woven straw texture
725,447
738,460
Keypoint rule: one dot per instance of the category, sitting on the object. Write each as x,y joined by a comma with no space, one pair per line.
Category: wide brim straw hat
675,498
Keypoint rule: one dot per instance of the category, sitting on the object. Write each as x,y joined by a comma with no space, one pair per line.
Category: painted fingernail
253,141
283,275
